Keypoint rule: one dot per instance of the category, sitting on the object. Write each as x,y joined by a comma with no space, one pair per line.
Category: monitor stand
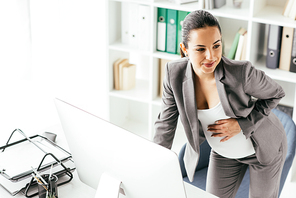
109,187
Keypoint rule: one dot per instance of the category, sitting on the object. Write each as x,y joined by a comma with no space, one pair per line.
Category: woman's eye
216,46
200,49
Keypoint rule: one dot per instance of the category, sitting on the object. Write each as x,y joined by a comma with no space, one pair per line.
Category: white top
236,147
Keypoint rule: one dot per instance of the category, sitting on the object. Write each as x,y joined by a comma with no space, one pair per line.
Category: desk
77,189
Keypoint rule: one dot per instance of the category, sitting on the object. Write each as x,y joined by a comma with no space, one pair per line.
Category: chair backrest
290,129
203,162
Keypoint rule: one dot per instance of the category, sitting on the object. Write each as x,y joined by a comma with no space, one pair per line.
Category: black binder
293,54
274,46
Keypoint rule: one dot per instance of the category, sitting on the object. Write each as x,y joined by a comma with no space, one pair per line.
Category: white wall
65,59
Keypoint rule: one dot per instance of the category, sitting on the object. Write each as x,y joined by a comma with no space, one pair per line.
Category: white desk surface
77,189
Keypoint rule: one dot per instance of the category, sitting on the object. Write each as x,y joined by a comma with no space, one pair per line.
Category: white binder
144,20
125,23
133,25
161,29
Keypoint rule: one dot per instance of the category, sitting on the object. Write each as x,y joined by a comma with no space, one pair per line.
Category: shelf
228,11
127,48
139,93
189,7
273,15
225,11
275,74
143,2
165,55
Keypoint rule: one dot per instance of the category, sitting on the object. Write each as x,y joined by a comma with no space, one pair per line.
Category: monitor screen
144,168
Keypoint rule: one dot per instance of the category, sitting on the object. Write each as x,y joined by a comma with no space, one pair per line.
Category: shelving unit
137,109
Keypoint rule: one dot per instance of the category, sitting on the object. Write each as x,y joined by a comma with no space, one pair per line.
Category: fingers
225,139
217,123
223,128
218,135
221,135
218,128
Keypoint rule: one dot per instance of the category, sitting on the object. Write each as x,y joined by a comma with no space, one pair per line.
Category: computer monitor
145,169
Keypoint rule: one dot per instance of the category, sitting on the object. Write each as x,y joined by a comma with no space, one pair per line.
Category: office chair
243,191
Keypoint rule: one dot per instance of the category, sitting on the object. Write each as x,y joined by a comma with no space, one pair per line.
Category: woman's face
204,49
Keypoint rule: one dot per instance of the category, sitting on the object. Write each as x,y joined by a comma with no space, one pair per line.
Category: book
116,72
128,77
287,8
244,50
162,63
122,64
292,13
234,45
239,49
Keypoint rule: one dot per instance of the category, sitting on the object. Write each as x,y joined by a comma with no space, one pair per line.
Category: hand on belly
226,128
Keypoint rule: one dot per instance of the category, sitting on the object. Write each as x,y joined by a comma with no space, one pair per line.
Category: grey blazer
246,94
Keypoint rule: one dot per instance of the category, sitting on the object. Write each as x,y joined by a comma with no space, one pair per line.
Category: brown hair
195,20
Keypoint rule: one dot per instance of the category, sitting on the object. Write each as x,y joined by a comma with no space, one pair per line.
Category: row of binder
239,45
281,48
135,25
169,29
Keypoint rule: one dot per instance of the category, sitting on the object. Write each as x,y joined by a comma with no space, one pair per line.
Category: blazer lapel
219,75
190,104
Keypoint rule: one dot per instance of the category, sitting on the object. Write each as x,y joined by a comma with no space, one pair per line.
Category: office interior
55,49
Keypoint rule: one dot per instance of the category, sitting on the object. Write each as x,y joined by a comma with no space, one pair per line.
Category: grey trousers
225,175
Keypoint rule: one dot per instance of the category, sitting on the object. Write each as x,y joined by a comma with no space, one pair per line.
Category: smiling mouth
211,64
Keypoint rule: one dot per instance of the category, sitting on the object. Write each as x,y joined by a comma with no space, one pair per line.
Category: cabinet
137,109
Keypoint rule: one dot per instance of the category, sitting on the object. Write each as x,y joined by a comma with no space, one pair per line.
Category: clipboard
19,158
